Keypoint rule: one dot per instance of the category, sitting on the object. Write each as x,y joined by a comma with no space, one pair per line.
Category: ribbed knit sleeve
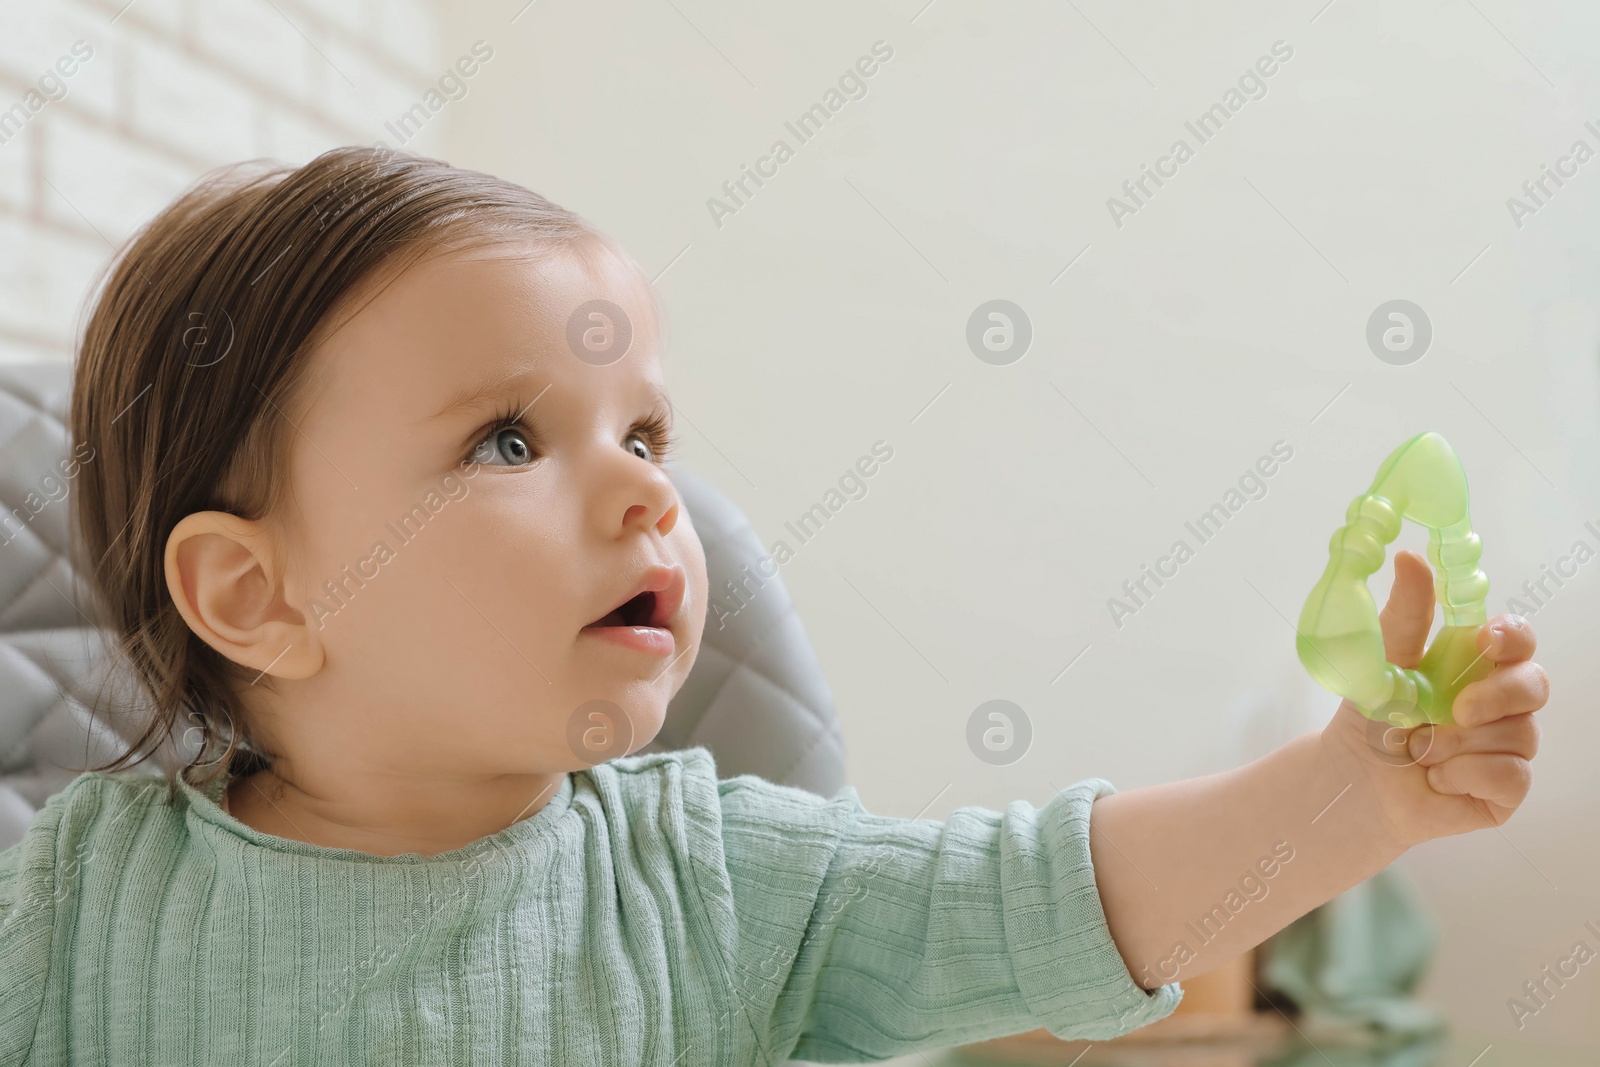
862,937
27,922
8,879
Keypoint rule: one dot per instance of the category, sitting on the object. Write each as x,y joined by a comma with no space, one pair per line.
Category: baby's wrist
1352,809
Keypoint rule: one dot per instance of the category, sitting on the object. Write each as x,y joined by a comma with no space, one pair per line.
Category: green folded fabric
1352,965
1414,1051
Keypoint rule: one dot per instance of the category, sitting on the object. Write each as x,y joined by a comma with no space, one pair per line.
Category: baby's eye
648,450
507,441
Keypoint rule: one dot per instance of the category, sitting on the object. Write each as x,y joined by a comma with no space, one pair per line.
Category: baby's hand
1433,781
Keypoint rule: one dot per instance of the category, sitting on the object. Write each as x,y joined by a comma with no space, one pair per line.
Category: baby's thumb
1408,616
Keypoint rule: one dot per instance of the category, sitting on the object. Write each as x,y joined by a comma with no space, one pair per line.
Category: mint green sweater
648,914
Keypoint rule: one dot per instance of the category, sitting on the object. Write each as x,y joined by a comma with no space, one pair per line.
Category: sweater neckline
206,805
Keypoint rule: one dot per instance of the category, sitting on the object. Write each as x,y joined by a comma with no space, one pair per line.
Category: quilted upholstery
756,696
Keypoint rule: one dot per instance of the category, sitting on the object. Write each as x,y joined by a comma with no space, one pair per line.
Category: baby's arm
857,936
1193,873
853,936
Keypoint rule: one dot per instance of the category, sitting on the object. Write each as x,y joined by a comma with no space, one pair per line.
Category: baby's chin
602,728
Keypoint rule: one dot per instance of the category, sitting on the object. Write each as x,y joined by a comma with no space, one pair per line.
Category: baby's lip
667,586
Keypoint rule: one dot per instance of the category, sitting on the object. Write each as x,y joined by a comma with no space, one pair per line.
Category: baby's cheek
692,555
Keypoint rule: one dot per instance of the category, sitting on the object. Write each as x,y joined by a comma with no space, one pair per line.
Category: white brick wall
172,89
100,182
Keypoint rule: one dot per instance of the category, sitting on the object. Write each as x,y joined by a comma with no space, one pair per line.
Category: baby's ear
223,578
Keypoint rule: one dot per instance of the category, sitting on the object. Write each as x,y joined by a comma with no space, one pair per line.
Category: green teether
1340,641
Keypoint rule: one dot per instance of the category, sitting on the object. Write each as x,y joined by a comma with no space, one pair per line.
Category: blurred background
1161,335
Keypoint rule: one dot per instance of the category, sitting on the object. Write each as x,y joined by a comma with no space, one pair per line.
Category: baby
375,508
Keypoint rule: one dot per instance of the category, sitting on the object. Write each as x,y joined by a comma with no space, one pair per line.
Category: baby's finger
1492,776
1505,691
1510,639
1517,735
1408,615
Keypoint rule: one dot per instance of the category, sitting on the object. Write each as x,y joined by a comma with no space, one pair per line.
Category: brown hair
188,375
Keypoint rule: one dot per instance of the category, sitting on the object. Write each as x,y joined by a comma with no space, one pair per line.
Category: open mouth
648,614
637,612
644,622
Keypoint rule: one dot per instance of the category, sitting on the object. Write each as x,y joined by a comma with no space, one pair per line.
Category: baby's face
468,562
